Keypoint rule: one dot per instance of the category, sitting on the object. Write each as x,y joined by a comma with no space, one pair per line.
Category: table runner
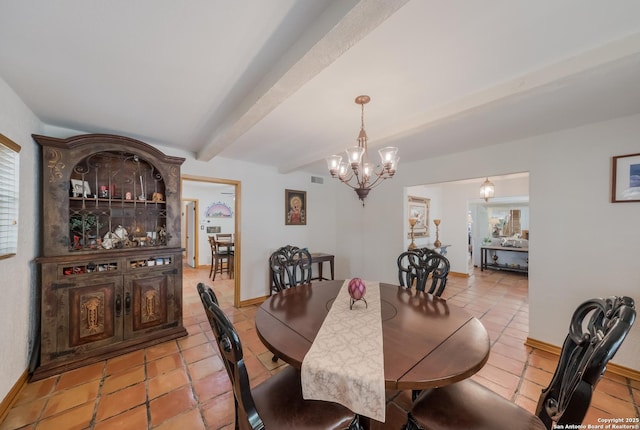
345,363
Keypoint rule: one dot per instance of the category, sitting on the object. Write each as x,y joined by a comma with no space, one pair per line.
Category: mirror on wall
506,221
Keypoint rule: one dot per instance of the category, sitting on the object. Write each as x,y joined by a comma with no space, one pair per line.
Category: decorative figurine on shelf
121,232
357,289
157,197
437,243
162,236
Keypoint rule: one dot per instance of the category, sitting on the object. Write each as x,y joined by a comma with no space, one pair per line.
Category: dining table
427,342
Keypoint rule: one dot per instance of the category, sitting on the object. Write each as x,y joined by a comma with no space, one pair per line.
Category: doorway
217,210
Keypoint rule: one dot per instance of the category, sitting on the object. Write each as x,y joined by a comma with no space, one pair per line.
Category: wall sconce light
487,190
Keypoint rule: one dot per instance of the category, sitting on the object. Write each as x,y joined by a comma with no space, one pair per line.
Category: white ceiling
274,82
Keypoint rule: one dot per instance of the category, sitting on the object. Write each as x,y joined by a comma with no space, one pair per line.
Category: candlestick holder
412,224
437,242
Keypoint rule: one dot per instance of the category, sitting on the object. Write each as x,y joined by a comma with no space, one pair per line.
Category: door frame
237,259
194,239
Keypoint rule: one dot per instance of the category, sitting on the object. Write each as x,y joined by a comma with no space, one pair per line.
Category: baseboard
254,301
459,274
12,395
616,369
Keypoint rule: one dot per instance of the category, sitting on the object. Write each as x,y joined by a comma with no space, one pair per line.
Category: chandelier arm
377,182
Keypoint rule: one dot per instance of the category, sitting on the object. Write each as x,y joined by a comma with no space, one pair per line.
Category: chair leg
215,268
411,423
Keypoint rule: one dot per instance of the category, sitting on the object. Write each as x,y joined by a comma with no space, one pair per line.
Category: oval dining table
426,342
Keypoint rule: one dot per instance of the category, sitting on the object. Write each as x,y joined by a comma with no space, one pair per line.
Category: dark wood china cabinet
111,259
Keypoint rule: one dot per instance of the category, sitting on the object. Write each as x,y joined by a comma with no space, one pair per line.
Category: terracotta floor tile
199,352
72,397
212,386
163,365
515,367
36,390
205,367
219,411
530,390
167,382
539,376
23,414
191,341
612,405
133,419
162,349
125,362
123,379
80,376
500,377
171,404
72,419
121,401
191,420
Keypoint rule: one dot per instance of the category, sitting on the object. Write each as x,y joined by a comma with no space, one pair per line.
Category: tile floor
182,384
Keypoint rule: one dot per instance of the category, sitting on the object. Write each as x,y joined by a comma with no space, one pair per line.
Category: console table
485,264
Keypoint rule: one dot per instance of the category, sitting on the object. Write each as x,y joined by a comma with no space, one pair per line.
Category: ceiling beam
341,26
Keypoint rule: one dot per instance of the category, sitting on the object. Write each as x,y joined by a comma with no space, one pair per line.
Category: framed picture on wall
625,178
418,207
295,207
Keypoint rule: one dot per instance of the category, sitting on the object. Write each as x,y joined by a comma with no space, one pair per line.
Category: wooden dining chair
597,329
221,258
423,267
290,266
276,403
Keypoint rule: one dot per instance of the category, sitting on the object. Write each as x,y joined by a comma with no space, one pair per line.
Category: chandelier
357,172
487,190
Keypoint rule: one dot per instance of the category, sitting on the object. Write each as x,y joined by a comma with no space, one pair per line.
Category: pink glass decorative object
357,289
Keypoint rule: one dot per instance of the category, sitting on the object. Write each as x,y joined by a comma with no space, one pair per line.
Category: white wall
583,245
18,315
262,214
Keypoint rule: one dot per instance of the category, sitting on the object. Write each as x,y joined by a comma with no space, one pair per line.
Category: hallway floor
182,384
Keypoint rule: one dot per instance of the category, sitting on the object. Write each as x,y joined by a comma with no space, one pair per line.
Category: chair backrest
224,236
212,244
290,266
231,354
597,330
418,266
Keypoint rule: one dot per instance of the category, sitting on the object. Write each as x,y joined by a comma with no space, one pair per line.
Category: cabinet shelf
116,200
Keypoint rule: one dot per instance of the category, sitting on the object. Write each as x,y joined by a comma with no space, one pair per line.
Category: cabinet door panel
151,297
93,319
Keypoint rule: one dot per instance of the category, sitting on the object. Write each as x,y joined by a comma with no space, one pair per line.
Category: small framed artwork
295,207
625,179
80,188
418,207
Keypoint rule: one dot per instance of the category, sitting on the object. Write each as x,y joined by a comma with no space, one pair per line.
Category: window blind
9,186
